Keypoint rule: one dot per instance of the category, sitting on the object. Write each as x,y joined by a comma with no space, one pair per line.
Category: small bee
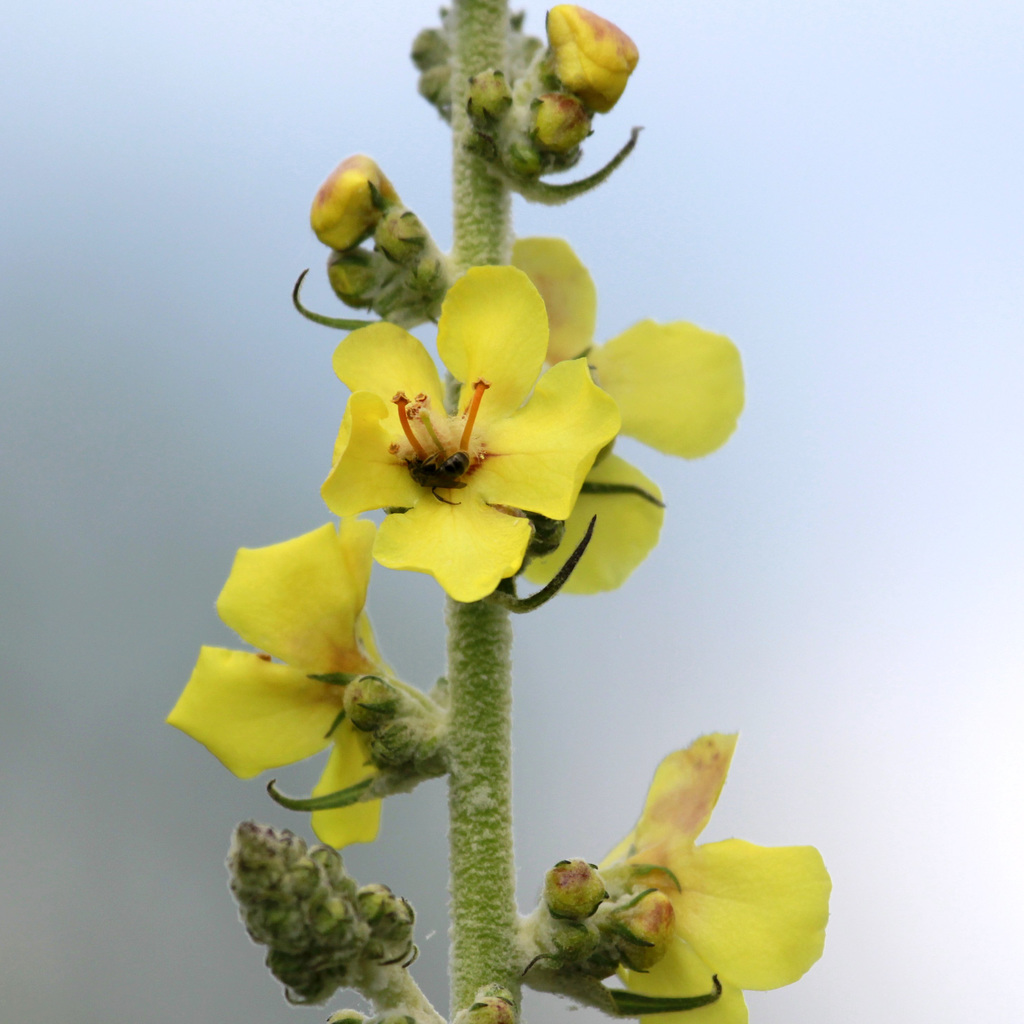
440,470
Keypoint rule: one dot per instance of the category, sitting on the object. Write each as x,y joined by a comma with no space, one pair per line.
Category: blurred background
835,186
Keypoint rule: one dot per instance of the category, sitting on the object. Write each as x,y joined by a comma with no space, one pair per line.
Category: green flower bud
523,160
435,86
370,702
573,889
561,122
493,1004
547,535
643,929
489,98
347,1017
353,277
573,940
430,48
401,235
389,916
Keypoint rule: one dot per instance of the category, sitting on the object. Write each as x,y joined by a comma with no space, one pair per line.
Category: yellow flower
302,602
753,915
593,57
343,211
678,388
456,486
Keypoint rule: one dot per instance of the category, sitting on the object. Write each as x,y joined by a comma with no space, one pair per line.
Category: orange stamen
402,401
474,407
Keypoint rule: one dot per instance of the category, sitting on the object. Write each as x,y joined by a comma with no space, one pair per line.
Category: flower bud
492,1004
353,277
489,98
523,160
430,48
573,889
370,702
435,86
574,940
389,916
592,57
400,235
345,209
561,122
643,928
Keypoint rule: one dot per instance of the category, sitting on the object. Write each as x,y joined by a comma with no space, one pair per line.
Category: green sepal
338,719
593,487
645,869
327,802
519,605
632,1004
637,898
617,928
335,678
537,191
327,321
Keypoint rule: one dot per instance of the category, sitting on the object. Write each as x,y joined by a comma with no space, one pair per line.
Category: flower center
442,450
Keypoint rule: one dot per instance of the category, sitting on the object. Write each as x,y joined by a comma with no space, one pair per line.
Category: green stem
482,885
482,871
482,206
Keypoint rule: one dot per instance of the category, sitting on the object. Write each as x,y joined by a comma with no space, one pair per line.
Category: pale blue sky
837,187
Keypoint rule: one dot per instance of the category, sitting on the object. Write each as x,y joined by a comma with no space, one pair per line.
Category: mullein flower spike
457,488
678,388
753,916
322,931
301,601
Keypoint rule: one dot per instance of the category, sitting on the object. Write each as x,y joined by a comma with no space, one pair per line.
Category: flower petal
299,600
683,794
755,914
568,291
494,327
468,548
627,529
347,765
253,714
385,359
679,388
543,452
365,474
682,973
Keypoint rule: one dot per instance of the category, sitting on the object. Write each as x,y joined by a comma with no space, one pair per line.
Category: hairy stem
482,886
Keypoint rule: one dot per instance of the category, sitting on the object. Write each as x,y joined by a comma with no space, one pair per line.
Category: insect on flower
439,470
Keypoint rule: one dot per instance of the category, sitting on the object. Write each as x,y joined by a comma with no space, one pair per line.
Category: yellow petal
494,327
683,973
755,914
683,794
365,474
679,388
568,291
347,765
626,530
253,714
468,548
384,359
544,451
299,600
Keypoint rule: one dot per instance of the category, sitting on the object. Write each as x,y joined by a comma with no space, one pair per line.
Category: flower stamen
424,418
474,407
401,400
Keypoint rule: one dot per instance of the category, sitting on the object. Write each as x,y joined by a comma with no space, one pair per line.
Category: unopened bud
643,928
370,702
574,940
395,744
493,1004
489,98
389,916
573,889
401,235
353,276
547,535
347,1017
435,86
345,209
561,122
523,160
592,57
430,48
